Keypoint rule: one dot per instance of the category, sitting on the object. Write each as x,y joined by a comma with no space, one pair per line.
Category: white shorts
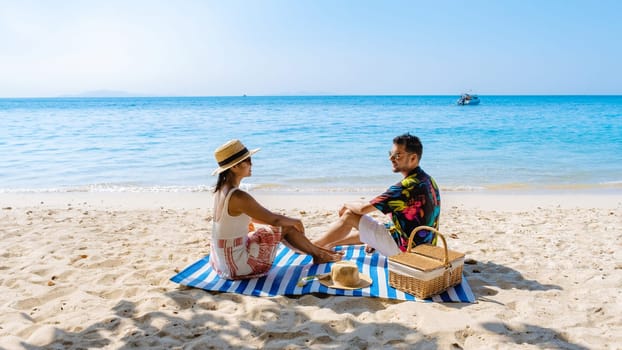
376,235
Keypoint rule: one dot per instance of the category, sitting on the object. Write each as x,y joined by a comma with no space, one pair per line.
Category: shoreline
490,200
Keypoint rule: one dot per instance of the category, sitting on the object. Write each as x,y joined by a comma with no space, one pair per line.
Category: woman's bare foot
322,245
324,255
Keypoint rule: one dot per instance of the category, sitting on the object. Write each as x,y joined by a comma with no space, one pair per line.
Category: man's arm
360,208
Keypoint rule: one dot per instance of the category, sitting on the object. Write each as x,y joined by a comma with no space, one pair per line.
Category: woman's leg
300,242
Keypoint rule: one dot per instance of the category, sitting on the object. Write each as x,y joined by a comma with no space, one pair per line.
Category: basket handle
419,228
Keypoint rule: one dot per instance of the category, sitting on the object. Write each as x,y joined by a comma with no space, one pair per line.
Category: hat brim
364,282
236,162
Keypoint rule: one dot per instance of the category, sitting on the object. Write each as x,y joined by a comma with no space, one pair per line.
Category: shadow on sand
544,338
197,322
481,276
194,320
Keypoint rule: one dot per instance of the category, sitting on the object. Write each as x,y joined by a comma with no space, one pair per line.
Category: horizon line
131,95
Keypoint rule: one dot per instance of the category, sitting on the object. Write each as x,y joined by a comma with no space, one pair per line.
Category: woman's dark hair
222,177
411,143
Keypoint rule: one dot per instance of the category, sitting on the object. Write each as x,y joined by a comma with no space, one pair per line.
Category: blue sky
214,48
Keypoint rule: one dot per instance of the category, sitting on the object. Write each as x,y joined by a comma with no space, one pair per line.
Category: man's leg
376,235
353,238
339,231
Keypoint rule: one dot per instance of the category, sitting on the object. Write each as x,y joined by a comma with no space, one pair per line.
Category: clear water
309,143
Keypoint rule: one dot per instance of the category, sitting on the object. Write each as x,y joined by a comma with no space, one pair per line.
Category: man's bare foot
369,249
324,255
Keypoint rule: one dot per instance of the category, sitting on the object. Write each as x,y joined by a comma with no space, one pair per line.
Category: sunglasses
396,155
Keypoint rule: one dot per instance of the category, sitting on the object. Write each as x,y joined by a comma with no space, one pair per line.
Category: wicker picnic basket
425,270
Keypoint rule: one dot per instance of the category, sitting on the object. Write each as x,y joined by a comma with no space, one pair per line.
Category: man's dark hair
411,143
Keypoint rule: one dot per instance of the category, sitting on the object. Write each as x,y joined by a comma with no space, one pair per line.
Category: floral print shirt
412,202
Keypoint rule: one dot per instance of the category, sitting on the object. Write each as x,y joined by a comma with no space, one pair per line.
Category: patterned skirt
248,256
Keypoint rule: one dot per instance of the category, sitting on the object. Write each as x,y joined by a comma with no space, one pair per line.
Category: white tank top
228,226
229,256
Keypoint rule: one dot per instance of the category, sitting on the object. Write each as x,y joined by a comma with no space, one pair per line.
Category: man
410,203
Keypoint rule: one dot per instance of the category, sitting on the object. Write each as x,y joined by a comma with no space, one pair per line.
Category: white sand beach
91,270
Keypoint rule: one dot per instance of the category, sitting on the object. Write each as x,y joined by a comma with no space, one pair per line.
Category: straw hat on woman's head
230,154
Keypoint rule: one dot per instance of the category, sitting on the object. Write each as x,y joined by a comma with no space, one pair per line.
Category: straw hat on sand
345,275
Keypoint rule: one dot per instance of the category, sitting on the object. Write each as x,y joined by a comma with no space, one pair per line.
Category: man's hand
342,210
361,208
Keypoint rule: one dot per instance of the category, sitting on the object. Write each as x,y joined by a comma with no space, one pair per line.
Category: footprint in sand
26,304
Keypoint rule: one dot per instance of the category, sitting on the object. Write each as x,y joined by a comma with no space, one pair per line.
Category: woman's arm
242,202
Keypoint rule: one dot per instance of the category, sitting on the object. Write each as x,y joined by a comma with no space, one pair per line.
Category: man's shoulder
420,175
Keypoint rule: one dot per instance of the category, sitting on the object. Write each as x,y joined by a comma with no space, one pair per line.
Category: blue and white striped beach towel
289,267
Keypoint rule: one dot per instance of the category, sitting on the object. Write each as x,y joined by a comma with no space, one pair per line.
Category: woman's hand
298,225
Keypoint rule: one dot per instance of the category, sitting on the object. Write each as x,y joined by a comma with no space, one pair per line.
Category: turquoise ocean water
322,143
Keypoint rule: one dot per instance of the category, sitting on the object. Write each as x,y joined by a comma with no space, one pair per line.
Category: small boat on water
468,100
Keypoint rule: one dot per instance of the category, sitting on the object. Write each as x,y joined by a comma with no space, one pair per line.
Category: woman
236,252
